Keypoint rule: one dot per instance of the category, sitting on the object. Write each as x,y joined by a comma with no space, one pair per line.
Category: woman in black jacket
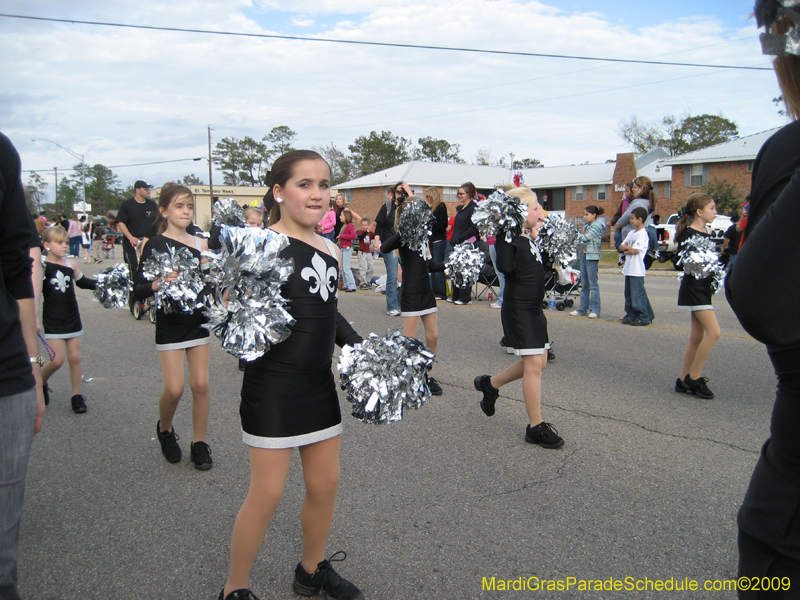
464,230
438,239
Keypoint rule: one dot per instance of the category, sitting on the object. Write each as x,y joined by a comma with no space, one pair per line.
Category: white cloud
126,96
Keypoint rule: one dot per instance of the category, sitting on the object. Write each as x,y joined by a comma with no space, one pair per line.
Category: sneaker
46,391
169,444
594,315
638,323
496,305
242,594
325,579
200,453
550,354
545,435
626,321
483,383
450,300
577,313
460,303
436,389
681,387
621,260
393,313
78,404
698,387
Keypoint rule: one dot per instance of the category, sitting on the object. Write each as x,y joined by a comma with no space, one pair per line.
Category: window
579,193
695,175
666,189
450,194
750,166
348,196
602,192
418,191
367,191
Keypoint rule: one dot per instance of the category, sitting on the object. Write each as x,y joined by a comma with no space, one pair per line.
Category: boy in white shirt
638,311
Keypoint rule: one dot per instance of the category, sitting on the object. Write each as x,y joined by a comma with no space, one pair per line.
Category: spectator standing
438,240
74,232
464,230
384,228
21,394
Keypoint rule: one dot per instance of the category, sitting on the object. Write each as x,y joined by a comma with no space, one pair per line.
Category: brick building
564,190
730,161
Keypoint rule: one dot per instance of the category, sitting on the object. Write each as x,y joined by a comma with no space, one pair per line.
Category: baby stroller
559,284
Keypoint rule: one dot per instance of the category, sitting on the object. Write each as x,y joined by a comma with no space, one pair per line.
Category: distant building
244,195
564,189
730,161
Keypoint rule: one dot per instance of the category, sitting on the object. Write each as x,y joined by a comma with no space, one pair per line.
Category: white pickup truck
668,247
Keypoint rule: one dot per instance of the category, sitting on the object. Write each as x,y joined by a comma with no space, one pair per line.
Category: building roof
452,175
744,148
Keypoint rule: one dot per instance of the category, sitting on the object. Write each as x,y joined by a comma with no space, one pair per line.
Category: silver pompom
699,258
559,239
114,286
180,295
385,375
227,211
415,226
465,265
246,311
500,214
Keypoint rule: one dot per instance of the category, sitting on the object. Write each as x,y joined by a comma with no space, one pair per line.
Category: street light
76,155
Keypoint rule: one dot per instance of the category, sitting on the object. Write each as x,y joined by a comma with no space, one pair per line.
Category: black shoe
325,579
698,387
503,341
78,404
436,389
681,387
550,355
483,383
169,444
545,435
201,456
46,391
638,323
242,594
626,321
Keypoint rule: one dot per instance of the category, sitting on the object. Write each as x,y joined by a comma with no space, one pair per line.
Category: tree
342,168
243,162
377,152
68,194
484,157
102,188
437,151
34,192
527,163
726,195
279,141
191,179
678,136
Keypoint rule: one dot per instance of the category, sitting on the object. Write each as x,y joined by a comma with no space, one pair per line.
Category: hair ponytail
696,201
647,192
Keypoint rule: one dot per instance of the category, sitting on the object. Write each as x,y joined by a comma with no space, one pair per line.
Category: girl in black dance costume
416,296
289,397
695,295
524,325
179,333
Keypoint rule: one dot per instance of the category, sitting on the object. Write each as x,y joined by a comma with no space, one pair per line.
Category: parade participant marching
177,332
524,325
60,315
416,297
695,295
289,397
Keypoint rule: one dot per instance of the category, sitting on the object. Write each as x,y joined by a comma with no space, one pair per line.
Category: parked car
117,237
668,247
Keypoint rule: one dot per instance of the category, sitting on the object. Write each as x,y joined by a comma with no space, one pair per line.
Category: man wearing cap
137,221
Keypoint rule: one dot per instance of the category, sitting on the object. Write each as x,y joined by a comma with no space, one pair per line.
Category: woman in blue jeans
592,236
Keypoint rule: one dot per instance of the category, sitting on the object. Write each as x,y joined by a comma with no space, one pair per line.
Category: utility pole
210,180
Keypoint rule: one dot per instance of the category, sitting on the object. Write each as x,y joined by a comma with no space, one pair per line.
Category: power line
383,44
158,162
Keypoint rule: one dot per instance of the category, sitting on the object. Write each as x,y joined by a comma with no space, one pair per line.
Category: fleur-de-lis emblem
60,281
322,280
535,251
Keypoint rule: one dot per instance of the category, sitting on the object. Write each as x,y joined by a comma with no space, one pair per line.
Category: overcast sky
123,96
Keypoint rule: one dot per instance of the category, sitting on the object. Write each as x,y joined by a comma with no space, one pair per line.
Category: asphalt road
647,485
